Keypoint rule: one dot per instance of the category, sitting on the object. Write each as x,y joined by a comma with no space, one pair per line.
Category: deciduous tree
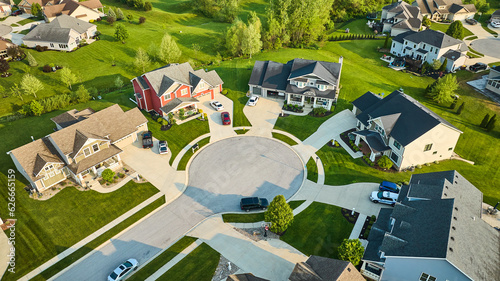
68,77
148,6
118,82
351,250
81,95
141,59
121,33
426,21
16,91
30,85
169,51
251,43
279,214
444,90
36,10
36,108
4,65
456,30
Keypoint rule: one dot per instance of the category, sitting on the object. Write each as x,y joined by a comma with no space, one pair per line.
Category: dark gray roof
496,13
434,38
452,55
414,121
454,8
422,51
400,37
177,102
366,100
373,139
275,76
58,30
445,223
244,277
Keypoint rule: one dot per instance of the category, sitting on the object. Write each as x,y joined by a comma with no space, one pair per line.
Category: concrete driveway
246,166
217,130
263,116
477,29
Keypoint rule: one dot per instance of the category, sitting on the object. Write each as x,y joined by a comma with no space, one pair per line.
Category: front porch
180,108
370,143
91,174
309,101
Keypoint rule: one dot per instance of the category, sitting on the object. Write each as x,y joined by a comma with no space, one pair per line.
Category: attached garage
126,141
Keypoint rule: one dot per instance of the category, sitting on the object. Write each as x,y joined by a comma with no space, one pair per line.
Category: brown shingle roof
80,140
91,4
4,44
65,7
94,159
72,116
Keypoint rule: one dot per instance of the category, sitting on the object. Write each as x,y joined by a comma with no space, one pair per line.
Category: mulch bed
365,225
326,114
166,127
345,138
348,215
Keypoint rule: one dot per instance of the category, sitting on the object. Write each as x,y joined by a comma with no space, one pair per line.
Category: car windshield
127,264
380,194
113,276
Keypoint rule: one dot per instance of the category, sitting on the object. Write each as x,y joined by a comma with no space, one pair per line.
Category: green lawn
199,265
60,265
357,26
254,217
241,131
321,237
284,138
47,228
300,126
239,101
312,170
179,135
482,19
443,27
162,259
185,159
26,21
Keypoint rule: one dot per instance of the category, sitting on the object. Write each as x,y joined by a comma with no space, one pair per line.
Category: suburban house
6,7
434,232
493,80
25,5
400,127
85,144
86,10
175,86
65,33
495,16
452,10
4,45
400,17
430,45
318,268
299,81
244,277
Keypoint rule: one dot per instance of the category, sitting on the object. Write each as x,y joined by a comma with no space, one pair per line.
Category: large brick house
175,86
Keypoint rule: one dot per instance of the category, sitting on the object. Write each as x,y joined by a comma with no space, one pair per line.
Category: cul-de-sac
250,140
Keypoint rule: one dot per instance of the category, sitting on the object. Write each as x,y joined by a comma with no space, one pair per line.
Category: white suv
385,197
217,105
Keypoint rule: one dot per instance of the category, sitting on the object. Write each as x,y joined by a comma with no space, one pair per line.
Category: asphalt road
489,47
218,177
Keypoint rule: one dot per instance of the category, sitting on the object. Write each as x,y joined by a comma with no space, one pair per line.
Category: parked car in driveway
478,67
123,270
253,101
226,120
249,203
162,147
495,24
16,12
389,186
471,21
147,139
384,197
217,105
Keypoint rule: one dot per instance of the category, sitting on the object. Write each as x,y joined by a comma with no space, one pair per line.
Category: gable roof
57,31
42,3
318,268
168,78
91,4
434,38
72,116
244,277
414,120
177,102
68,7
458,233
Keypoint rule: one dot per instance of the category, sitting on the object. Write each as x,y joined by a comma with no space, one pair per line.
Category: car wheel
135,268
375,201
393,204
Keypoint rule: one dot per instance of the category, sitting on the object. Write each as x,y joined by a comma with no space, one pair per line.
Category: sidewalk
91,237
356,231
186,148
174,261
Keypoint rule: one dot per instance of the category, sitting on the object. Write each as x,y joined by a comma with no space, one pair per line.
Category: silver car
253,101
384,197
123,270
217,105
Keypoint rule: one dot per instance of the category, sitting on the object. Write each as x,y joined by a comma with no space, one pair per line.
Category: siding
403,268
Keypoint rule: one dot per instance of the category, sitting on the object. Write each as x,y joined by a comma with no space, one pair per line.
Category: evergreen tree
4,65
485,121
443,66
119,14
386,42
36,10
426,21
169,51
148,6
121,33
111,13
279,214
456,30
460,108
351,250
444,89
31,60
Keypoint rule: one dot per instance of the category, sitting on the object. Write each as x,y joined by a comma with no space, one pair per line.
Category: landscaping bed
367,226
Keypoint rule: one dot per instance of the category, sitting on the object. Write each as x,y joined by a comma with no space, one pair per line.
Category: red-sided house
175,86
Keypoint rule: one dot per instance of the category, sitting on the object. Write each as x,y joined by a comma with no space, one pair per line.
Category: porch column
94,170
329,104
372,156
287,98
314,102
118,157
196,107
80,178
250,89
358,139
302,101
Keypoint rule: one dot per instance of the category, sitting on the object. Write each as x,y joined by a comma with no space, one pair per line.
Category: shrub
130,17
148,6
279,214
419,166
427,164
108,175
436,162
224,92
319,111
384,162
121,175
142,20
47,68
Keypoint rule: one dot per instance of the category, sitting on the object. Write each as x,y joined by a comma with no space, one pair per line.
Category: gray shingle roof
366,100
318,268
373,139
434,38
400,37
452,55
414,121
447,224
57,31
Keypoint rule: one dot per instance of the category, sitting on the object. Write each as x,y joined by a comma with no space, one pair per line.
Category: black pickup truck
147,139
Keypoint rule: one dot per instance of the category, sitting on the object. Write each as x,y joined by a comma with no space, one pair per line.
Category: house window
436,52
86,152
167,96
95,148
51,45
414,46
201,85
428,147
423,47
432,49
426,277
184,92
397,144
322,87
393,45
406,43
394,157
49,167
301,84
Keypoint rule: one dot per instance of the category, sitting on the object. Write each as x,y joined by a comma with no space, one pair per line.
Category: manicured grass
60,265
356,26
241,131
312,170
185,158
473,55
26,31
284,138
472,38
321,237
443,27
483,19
47,228
254,217
300,126
199,265
26,21
476,52
153,266
239,102
179,135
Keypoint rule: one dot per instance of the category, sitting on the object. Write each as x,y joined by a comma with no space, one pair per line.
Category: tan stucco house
85,143
400,127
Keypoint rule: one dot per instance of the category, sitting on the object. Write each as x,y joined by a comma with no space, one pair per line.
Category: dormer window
201,85
49,167
321,87
301,84
95,148
87,152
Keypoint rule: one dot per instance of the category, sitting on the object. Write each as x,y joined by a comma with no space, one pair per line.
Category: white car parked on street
217,105
123,270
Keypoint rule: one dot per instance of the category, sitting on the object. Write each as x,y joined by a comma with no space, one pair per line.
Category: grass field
162,259
321,237
312,170
60,265
254,217
284,138
185,158
443,27
199,265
